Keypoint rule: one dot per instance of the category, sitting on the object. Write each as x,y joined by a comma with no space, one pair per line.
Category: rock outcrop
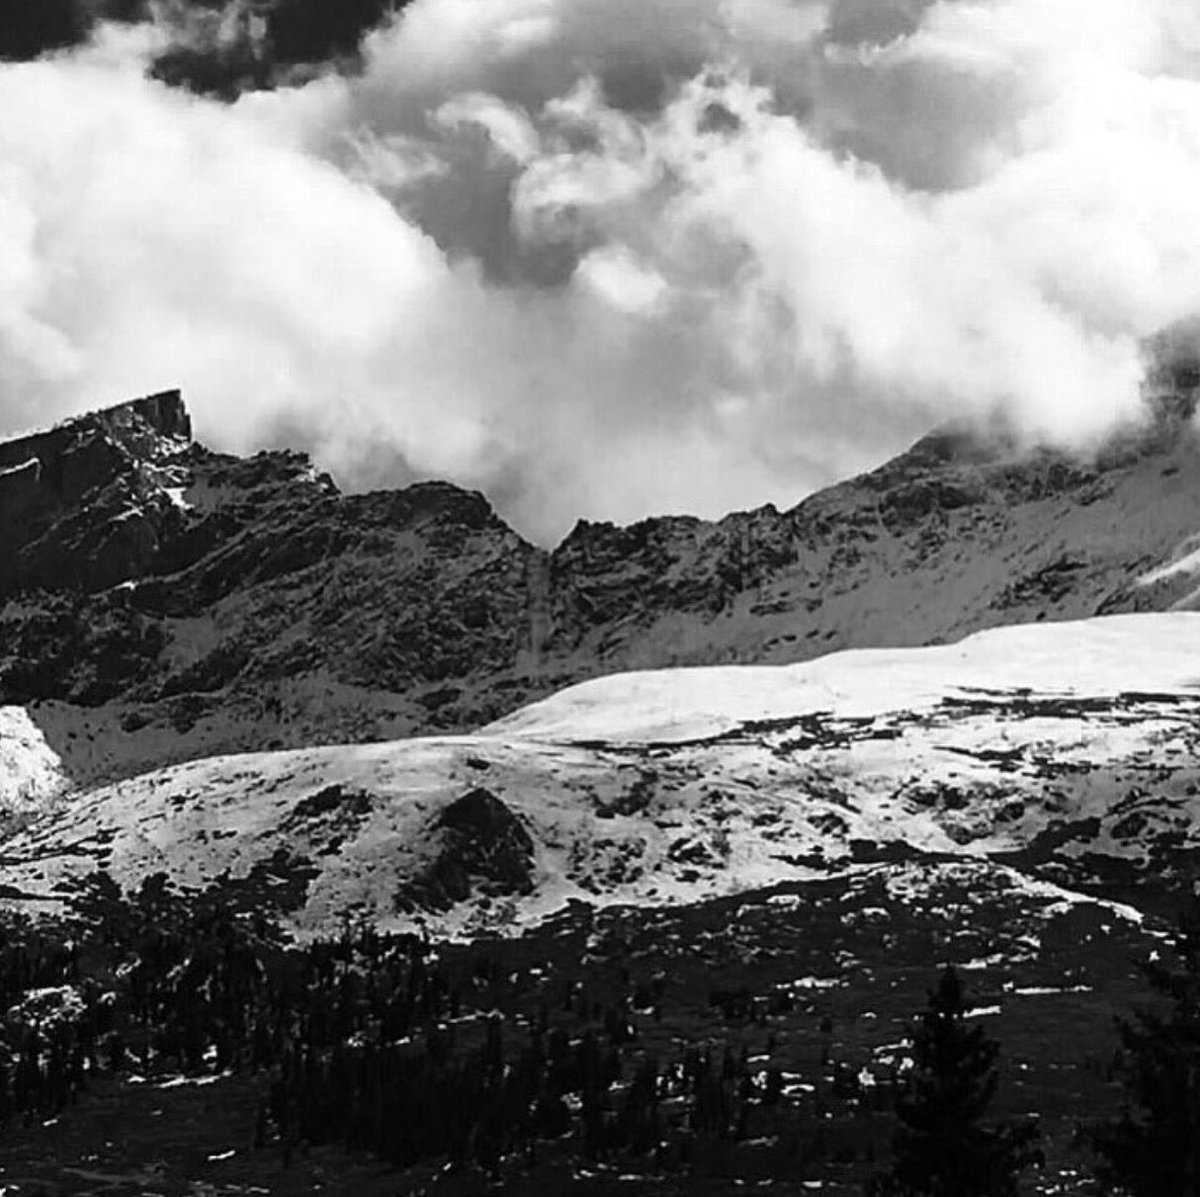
88,504
476,846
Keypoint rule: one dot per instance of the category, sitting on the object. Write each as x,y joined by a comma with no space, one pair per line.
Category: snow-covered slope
1086,657
1070,752
31,772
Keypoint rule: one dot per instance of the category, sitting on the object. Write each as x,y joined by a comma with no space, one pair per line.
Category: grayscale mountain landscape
599,597
977,744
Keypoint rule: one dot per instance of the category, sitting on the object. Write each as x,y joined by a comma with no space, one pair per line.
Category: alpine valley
744,784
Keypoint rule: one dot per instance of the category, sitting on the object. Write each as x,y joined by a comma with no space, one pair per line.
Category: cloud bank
609,258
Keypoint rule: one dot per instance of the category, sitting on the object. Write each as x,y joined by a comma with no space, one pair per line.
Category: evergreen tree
1155,1146
942,1148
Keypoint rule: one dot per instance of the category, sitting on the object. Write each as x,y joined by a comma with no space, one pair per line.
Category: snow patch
1187,564
1046,990
11,471
31,772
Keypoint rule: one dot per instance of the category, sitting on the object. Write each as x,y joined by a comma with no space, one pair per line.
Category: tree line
380,1044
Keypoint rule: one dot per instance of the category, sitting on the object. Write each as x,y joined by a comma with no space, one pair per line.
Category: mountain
1064,758
637,791
162,602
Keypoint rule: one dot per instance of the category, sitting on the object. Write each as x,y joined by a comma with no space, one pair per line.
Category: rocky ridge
163,602
88,504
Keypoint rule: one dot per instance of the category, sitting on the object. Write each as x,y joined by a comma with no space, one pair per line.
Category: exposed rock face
478,846
87,504
176,579
208,603
949,538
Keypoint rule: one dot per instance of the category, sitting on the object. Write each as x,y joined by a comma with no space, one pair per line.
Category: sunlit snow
30,770
1088,657
673,786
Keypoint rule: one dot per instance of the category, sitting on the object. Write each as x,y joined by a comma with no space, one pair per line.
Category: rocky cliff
88,504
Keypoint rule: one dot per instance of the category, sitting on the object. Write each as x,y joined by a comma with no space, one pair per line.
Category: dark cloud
228,47
29,28
220,48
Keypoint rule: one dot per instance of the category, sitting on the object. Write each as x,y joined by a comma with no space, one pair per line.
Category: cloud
608,258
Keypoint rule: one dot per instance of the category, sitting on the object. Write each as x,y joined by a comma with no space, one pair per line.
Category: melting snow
180,1082
982,1012
1044,990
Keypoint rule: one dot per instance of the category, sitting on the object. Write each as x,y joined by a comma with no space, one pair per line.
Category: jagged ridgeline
247,603
89,504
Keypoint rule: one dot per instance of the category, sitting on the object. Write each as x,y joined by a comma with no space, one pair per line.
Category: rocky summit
163,602
90,503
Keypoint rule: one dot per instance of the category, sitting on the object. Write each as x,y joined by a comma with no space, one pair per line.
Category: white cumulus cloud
608,258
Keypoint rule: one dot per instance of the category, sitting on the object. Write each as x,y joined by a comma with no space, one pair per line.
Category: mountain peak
164,413
83,504
139,425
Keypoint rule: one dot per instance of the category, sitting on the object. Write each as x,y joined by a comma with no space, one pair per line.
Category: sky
606,259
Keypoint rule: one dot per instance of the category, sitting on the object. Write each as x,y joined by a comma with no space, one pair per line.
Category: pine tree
941,1148
1155,1147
